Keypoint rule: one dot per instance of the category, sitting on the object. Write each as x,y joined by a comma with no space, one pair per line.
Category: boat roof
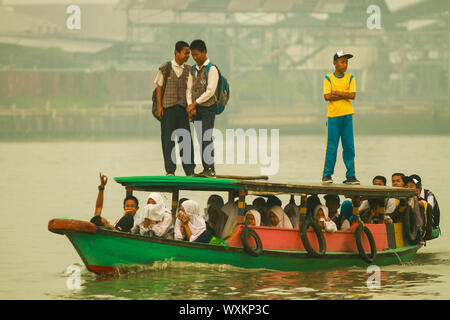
171,183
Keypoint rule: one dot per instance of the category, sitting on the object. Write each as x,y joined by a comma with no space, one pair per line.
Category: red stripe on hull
339,241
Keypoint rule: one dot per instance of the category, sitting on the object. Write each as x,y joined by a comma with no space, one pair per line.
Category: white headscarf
324,208
230,209
284,221
196,222
155,211
329,226
256,215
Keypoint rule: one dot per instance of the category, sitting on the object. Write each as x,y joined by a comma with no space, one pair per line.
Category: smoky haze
88,70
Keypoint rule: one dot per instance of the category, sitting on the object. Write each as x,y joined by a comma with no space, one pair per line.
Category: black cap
341,54
416,179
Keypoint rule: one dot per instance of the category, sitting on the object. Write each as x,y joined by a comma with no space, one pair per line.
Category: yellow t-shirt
346,83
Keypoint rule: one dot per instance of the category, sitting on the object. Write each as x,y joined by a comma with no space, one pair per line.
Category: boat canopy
174,183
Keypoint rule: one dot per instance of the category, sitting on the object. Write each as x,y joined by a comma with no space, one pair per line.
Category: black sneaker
208,173
351,180
327,179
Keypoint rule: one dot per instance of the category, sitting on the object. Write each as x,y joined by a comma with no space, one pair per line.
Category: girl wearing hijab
278,218
261,206
230,209
216,220
321,217
253,218
190,225
346,216
156,219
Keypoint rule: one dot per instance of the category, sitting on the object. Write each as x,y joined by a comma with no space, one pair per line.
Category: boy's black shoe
208,173
351,180
327,179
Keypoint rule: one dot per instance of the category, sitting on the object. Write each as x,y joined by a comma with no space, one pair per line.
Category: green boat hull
109,251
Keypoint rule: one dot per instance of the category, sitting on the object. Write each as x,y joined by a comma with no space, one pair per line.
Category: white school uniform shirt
213,81
430,198
159,80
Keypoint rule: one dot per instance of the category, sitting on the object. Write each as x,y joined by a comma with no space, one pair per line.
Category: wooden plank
261,188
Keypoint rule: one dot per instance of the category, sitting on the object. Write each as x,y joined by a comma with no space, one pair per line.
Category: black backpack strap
166,74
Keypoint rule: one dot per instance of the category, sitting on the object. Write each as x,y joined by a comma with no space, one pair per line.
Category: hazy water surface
44,180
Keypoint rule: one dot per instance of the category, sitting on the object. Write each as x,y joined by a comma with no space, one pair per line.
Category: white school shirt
159,80
430,198
213,81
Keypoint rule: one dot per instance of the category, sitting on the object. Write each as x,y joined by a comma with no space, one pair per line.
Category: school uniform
175,116
339,124
204,91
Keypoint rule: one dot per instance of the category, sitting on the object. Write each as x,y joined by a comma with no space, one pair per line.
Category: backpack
166,75
223,88
436,210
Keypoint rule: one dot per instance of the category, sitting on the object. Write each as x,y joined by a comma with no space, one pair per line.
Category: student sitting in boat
230,209
253,218
370,213
260,205
323,220
213,199
190,225
390,204
278,218
333,203
311,203
216,220
130,207
346,214
293,212
157,219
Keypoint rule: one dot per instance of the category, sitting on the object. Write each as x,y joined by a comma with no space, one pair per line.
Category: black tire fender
320,237
248,232
373,247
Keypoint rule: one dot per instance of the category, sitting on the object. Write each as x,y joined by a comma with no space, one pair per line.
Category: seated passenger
273,201
253,218
311,203
230,209
157,219
333,203
293,212
130,207
213,199
190,225
216,220
390,204
261,206
278,218
321,217
370,214
346,216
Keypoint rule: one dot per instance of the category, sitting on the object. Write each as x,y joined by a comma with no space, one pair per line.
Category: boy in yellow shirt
338,89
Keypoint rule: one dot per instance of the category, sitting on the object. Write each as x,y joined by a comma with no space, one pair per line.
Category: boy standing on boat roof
171,108
338,89
130,207
201,95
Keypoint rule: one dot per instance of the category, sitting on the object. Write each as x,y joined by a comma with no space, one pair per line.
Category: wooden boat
307,248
